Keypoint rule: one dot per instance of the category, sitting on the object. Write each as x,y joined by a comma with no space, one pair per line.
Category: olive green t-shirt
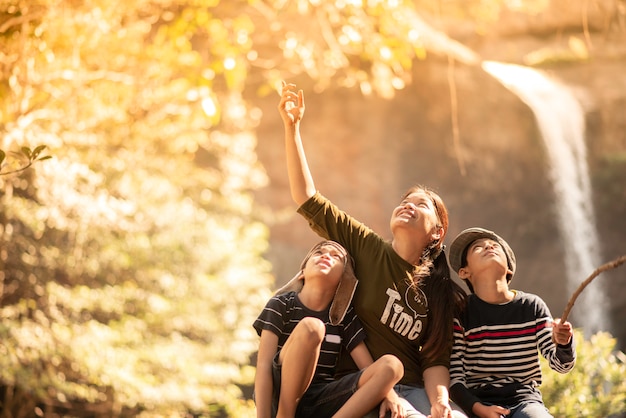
393,314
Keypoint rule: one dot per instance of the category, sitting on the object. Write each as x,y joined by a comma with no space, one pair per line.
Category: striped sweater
495,357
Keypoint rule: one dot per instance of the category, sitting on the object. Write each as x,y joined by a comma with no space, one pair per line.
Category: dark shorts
321,399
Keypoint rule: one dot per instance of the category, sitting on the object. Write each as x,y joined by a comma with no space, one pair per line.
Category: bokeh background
135,259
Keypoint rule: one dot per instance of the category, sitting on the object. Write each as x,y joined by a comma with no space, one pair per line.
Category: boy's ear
464,273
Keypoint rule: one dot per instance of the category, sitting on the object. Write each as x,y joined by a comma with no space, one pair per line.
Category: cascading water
561,121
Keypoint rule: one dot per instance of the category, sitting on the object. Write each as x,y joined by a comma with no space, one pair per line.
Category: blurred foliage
22,160
131,263
595,387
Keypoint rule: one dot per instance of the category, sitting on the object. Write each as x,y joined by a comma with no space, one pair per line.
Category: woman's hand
440,409
392,404
291,105
436,382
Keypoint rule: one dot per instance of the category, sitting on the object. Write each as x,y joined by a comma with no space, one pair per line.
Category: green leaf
38,150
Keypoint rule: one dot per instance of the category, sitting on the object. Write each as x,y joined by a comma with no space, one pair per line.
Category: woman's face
417,213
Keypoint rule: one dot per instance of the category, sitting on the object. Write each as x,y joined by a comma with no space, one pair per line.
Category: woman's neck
408,251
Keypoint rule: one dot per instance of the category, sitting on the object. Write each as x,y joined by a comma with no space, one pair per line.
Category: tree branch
608,266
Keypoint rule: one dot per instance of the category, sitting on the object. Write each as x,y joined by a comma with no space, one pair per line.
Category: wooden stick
608,266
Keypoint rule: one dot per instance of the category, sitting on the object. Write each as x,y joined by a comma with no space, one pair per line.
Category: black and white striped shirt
495,357
283,312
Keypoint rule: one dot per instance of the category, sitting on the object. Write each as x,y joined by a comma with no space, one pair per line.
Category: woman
405,298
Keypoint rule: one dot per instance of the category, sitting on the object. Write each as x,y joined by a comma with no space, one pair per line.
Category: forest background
135,259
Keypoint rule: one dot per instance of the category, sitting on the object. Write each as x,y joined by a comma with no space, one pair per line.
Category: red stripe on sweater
512,333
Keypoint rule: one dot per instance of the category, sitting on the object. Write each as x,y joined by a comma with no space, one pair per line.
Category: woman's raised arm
291,108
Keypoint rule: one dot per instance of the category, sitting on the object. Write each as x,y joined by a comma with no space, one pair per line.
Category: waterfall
562,124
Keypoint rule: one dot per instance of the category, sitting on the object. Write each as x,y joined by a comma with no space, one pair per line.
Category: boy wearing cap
302,329
494,367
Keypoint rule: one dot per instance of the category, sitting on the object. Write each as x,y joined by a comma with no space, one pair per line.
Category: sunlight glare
398,83
291,43
252,55
385,53
229,63
349,34
209,107
208,73
413,35
242,37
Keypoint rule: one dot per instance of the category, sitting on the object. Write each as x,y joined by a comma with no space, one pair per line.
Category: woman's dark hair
432,251
446,298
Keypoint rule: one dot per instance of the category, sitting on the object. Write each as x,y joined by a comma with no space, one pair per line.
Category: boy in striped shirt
303,329
494,367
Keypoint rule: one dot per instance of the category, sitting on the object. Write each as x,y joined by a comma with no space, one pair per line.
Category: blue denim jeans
416,403
530,410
